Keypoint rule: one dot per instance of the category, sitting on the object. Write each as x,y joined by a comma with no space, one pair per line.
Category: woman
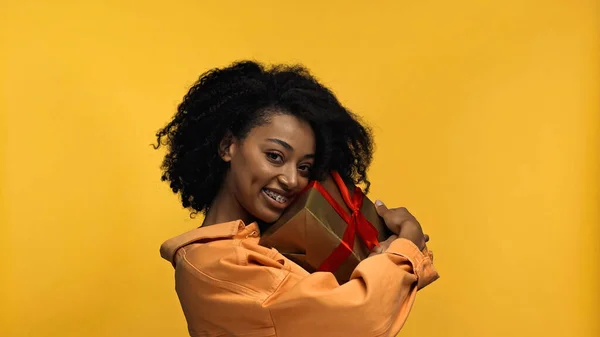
245,140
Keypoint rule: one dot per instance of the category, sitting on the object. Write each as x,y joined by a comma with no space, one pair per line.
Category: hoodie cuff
422,261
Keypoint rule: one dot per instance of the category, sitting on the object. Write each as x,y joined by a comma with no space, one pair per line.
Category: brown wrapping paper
310,229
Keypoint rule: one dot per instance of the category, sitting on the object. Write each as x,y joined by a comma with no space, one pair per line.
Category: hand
401,222
383,246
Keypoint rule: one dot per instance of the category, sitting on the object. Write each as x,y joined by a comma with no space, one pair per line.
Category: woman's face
270,166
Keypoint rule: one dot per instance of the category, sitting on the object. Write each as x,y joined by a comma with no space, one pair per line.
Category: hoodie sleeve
375,302
234,286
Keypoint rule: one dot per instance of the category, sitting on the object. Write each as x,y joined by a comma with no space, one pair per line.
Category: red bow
356,223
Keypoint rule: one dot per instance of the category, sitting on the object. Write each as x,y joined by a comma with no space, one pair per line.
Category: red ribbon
356,223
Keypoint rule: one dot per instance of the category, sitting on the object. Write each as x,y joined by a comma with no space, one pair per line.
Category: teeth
277,197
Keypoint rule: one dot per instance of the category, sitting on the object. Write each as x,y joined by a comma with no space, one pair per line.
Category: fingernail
378,203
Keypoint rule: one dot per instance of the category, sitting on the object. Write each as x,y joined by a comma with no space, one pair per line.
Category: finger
377,249
404,213
386,244
383,246
426,238
390,239
380,207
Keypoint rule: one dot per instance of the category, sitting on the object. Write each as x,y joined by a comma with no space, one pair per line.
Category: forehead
288,128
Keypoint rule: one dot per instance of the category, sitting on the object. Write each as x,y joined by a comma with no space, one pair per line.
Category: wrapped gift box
331,226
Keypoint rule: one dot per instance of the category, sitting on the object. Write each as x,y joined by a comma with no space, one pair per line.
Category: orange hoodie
229,285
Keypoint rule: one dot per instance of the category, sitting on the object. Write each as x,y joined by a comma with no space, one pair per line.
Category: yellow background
486,120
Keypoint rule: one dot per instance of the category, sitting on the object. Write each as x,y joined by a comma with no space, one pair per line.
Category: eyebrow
281,142
287,146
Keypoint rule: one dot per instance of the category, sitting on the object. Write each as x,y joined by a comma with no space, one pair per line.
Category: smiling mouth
275,196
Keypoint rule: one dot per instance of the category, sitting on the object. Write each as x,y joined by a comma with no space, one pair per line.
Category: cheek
304,182
252,172
262,173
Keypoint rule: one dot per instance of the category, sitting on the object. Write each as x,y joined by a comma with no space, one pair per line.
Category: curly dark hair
235,99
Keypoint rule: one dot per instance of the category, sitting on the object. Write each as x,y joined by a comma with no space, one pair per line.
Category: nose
289,178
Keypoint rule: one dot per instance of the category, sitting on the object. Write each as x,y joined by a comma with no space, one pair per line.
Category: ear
227,147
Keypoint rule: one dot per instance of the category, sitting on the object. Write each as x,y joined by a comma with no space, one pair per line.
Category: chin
268,217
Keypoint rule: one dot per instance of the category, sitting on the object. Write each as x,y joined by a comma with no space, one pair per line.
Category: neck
226,208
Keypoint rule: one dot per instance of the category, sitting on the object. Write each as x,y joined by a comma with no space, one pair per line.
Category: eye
305,169
274,157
